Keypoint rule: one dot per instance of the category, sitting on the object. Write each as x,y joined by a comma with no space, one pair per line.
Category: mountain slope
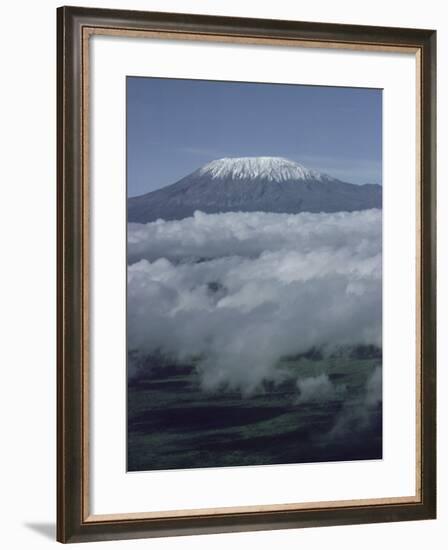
250,184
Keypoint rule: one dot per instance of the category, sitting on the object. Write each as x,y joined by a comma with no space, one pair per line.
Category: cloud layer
239,291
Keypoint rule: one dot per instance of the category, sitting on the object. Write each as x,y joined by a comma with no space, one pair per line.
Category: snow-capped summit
252,184
270,168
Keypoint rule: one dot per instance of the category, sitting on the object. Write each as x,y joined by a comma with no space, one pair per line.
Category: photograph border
75,27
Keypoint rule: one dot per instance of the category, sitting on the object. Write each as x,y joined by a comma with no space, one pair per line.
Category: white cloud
358,415
250,234
239,291
374,388
318,388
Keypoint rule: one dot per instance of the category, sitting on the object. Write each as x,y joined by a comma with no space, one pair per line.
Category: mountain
250,184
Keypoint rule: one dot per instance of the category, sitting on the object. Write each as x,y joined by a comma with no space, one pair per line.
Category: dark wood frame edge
71,525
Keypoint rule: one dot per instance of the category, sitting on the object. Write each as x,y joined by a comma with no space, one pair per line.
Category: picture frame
76,27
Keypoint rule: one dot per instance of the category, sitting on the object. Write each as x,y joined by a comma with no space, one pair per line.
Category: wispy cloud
203,152
347,169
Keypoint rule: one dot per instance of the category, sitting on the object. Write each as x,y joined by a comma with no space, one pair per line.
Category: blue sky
175,126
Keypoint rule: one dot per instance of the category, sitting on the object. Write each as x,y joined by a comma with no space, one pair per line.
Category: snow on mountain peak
276,169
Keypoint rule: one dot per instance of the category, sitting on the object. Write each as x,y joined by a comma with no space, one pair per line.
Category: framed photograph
246,274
